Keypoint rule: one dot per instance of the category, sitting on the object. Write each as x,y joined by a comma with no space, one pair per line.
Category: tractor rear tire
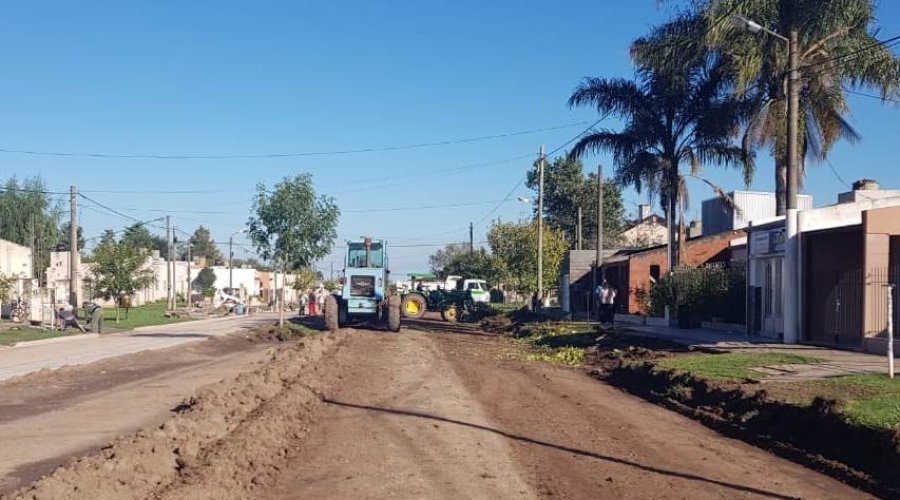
332,311
450,314
393,315
414,306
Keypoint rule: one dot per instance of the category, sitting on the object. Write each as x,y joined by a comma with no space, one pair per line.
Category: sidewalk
84,349
834,362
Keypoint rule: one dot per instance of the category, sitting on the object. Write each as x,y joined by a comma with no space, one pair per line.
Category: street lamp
230,257
790,279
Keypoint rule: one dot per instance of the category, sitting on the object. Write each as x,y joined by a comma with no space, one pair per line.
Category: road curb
54,340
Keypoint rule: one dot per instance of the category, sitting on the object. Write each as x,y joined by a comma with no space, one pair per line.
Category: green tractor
453,303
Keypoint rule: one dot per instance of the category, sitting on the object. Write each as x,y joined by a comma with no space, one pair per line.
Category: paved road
22,360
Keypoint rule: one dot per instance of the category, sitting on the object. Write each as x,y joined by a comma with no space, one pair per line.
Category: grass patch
870,400
732,365
571,356
291,331
146,315
14,336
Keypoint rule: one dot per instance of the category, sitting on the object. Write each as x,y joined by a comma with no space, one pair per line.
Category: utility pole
790,278
578,231
168,265
598,257
189,281
540,250
332,272
230,268
471,238
73,246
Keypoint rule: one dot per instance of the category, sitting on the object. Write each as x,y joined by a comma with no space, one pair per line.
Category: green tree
6,286
514,247
205,282
475,265
305,278
30,216
566,188
202,245
838,50
673,116
292,225
63,245
119,268
138,236
440,259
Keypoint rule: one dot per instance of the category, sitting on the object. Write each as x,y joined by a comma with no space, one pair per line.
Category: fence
713,293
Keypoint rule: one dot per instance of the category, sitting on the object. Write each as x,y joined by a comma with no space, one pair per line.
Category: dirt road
427,413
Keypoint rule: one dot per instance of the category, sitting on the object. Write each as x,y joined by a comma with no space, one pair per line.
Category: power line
863,94
285,155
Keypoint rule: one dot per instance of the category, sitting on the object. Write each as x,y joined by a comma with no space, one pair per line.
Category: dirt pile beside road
222,443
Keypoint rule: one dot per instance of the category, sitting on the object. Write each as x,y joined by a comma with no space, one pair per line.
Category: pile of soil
224,442
815,435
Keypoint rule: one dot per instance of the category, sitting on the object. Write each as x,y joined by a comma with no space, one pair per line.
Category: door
772,297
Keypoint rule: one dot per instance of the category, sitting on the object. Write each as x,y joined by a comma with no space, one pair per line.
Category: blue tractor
365,293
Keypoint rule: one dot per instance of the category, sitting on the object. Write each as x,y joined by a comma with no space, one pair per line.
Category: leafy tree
291,224
30,216
838,50
119,268
477,264
202,245
305,278
63,245
138,236
673,116
6,285
514,247
440,259
565,189
205,282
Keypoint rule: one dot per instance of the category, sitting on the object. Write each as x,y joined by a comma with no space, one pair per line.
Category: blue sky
188,78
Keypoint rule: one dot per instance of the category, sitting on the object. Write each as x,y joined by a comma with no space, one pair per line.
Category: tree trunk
780,187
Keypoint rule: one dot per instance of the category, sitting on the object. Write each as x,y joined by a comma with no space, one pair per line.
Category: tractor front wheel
393,315
450,314
332,311
413,306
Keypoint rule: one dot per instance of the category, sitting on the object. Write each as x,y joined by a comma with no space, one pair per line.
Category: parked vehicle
364,294
453,298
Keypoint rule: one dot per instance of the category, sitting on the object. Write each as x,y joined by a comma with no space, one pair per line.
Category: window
777,285
356,255
654,273
474,286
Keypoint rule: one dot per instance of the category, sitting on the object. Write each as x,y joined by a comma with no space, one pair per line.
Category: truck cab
365,288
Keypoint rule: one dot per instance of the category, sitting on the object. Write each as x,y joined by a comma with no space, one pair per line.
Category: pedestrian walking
312,303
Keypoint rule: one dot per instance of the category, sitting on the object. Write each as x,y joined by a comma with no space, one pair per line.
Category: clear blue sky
166,77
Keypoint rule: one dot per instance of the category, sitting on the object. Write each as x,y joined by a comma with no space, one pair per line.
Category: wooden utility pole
540,249
73,246
598,258
471,238
169,291
578,231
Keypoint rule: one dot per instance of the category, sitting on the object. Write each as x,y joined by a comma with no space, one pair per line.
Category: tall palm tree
672,118
838,50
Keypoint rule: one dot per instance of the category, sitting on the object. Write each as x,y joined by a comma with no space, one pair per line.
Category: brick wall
696,253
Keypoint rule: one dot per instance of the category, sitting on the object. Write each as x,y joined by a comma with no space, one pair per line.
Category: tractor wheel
450,314
393,313
332,312
413,306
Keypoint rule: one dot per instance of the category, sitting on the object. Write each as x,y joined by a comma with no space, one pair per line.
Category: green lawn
25,334
870,400
146,315
732,365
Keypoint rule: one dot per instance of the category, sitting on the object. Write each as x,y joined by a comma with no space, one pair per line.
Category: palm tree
672,118
838,50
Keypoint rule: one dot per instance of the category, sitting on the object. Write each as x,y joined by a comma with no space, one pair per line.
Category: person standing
320,299
607,302
304,303
312,303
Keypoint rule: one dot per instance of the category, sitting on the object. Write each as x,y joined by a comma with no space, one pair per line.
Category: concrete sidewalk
84,349
834,362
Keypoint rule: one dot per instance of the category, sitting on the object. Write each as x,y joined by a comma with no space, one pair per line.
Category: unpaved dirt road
431,412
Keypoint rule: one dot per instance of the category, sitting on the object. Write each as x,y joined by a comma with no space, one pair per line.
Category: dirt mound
222,443
816,436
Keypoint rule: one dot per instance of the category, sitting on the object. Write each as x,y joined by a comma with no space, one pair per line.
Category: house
16,262
719,215
848,253
647,231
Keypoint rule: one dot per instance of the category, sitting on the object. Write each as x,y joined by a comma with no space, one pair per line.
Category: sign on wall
767,242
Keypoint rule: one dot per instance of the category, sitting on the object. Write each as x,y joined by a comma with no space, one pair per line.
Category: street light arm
742,22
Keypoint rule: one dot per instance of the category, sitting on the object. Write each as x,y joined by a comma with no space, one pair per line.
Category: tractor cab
365,292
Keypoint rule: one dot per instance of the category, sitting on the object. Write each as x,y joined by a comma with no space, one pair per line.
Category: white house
16,261
647,231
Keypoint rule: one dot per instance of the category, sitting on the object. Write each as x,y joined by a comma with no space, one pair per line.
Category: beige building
648,231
